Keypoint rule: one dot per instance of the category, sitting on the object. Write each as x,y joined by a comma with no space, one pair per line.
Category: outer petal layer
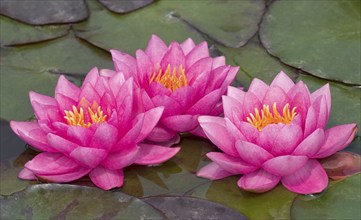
154,154
213,171
258,181
106,179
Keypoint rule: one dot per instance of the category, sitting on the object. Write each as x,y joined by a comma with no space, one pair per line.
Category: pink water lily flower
274,133
95,130
183,78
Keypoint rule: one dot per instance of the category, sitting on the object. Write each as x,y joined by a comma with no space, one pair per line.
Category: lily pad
55,201
346,101
274,204
192,208
37,67
124,6
174,177
45,12
15,33
341,164
341,201
255,62
320,37
235,23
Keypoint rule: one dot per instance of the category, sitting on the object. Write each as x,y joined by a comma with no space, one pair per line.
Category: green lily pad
274,204
192,208
124,6
319,37
55,201
255,62
235,23
15,33
37,67
45,12
341,201
346,101
174,177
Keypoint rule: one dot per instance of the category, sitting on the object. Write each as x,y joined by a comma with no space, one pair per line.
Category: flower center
171,80
266,117
79,117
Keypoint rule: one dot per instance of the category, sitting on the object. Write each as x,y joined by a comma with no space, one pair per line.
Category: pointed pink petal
300,98
311,178
231,164
284,165
107,179
125,91
197,53
167,143
60,144
200,82
65,177
206,103
258,181
65,103
92,77
181,123
116,82
118,56
233,131
130,137
88,157
283,81
336,139
26,174
232,73
31,133
104,137
51,163
236,93
249,132
231,105
107,72
321,109
79,135
310,122
202,65
323,91
145,67
185,96
250,102
42,99
259,88
154,154
252,153
119,159
276,95
173,57
151,119
218,62
46,112
156,88
90,93
218,134
213,171
171,106
198,131
217,78
311,144
156,48
67,88
187,46
162,134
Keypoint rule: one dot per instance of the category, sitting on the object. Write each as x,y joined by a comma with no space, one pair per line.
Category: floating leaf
191,208
341,201
235,23
124,6
14,33
346,101
55,201
37,67
45,12
274,204
342,164
255,62
320,37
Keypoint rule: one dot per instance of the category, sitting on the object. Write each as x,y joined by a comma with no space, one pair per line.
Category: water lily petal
202,65
231,164
259,181
64,102
145,67
283,81
197,53
87,156
133,133
249,132
156,49
161,134
310,122
185,97
252,153
154,154
26,174
119,159
171,106
321,108
311,144
323,91
60,144
125,58
90,93
51,163
65,177
250,102
67,88
79,135
106,179
104,137
229,106
116,82
284,165
259,88
181,123
236,93
173,57
311,178
336,139
187,45
213,171
151,119
205,104
92,77
218,62
276,95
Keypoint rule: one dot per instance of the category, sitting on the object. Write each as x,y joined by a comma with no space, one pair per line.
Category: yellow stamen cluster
170,80
76,117
261,120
